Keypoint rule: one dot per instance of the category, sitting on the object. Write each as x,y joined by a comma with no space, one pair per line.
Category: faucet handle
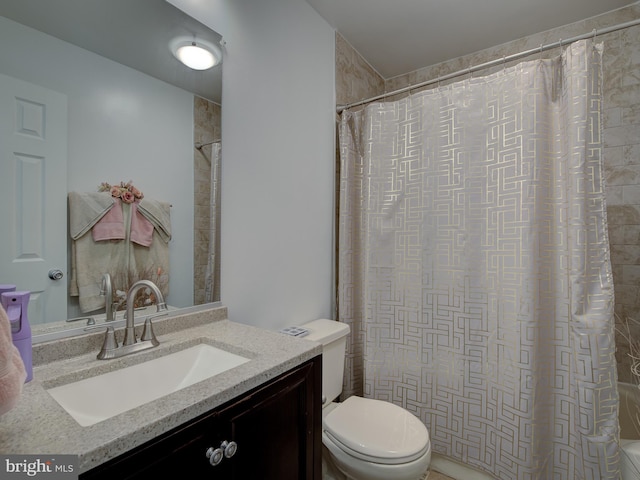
147,332
110,343
110,340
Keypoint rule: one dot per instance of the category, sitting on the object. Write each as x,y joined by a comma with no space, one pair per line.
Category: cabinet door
180,453
276,430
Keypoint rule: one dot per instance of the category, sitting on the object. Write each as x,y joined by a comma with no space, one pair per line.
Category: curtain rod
495,62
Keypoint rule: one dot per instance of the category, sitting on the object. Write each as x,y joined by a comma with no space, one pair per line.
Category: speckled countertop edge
38,425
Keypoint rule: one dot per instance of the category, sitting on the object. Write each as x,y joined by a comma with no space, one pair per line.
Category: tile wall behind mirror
130,112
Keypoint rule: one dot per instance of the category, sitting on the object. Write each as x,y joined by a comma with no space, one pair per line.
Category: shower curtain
212,271
474,267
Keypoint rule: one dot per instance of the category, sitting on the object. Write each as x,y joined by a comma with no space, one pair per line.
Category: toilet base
357,469
329,469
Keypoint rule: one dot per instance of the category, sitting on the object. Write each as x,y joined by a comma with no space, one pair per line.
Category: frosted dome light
197,55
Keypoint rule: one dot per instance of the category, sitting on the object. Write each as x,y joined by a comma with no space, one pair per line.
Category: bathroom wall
355,78
278,124
621,135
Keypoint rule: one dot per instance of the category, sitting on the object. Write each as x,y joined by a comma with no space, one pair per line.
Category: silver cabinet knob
55,274
226,450
230,448
215,456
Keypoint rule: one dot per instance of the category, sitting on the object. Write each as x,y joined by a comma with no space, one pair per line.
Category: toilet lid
378,431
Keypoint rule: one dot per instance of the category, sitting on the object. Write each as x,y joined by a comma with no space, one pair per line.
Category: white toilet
366,439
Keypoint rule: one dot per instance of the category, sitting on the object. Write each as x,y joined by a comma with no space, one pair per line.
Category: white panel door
33,195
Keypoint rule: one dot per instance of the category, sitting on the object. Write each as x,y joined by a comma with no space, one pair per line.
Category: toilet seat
376,431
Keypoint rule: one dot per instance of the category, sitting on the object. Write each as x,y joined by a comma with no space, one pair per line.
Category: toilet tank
333,337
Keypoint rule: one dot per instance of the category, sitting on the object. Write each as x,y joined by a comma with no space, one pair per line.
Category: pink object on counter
12,370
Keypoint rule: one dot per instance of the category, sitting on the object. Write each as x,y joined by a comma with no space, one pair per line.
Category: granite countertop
39,425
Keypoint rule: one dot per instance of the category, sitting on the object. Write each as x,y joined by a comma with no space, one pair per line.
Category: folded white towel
86,209
159,214
141,228
12,372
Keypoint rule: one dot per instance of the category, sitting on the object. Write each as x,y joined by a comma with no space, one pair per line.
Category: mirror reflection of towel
159,214
141,228
111,225
85,209
120,258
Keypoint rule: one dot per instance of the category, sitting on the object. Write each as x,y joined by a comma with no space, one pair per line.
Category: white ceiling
400,36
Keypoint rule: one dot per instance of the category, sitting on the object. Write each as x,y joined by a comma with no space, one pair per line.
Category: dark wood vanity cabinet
276,427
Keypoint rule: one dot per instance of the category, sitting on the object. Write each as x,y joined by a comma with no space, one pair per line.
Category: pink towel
141,228
12,372
111,225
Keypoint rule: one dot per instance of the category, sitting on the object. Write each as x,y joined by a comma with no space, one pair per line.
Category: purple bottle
16,304
7,288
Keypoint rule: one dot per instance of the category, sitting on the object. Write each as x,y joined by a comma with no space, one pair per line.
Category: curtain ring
595,32
504,63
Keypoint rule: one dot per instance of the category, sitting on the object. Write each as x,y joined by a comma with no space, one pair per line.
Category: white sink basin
95,399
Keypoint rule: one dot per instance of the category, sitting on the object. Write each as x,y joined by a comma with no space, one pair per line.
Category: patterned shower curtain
474,267
212,271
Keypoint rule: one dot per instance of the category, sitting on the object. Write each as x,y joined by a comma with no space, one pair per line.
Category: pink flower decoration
125,191
127,197
137,193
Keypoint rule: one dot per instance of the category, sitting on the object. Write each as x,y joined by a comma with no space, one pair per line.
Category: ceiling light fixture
196,54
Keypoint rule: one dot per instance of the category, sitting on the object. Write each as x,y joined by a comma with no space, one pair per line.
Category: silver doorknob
55,274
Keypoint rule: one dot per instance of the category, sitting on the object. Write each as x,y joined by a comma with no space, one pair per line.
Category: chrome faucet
130,344
107,292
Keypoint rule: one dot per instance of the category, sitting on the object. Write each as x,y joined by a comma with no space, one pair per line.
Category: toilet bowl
375,440
367,439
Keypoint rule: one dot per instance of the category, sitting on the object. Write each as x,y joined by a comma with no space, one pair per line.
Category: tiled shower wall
207,121
356,80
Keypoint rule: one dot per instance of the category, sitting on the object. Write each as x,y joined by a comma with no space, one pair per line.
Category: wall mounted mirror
123,108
